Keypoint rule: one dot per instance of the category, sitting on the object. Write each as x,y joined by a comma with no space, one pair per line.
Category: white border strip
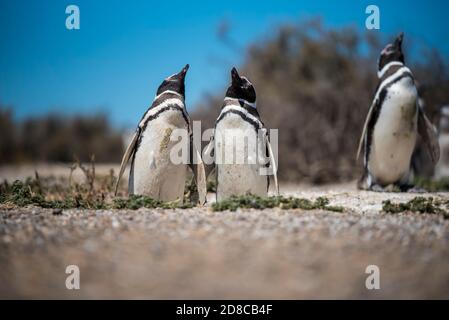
251,104
168,91
155,109
381,73
239,108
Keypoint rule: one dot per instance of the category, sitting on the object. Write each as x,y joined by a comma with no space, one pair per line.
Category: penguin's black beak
398,41
184,70
235,76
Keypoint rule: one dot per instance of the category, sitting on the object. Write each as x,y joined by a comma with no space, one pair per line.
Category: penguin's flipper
199,173
129,151
273,164
428,132
365,127
209,152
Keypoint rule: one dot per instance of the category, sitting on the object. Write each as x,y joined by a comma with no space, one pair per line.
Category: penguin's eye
388,50
246,84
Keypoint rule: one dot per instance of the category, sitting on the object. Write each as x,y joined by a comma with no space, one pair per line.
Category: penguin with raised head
394,120
240,147
153,172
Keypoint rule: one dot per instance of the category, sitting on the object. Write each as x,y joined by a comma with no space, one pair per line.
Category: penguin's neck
240,101
169,92
235,103
384,70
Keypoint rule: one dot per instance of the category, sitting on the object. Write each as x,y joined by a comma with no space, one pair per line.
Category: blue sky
124,49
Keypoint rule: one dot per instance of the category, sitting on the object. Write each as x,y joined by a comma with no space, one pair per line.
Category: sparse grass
256,202
418,204
211,185
135,202
432,185
191,191
95,192
20,194
23,194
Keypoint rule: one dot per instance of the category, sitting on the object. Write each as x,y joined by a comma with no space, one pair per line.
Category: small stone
57,212
115,223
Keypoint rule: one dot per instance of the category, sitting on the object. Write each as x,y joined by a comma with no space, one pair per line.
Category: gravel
197,253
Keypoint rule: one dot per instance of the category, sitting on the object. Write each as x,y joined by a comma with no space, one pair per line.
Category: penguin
394,120
153,173
239,143
442,168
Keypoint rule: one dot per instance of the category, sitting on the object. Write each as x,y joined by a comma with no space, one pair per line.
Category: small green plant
211,185
135,202
418,204
21,194
24,193
256,202
432,185
191,191
95,192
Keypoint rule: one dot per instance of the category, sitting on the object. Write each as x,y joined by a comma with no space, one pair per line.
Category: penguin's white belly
154,174
394,135
237,154
442,167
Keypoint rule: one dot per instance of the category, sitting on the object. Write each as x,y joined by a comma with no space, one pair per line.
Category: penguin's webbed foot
378,188
387,188
363,184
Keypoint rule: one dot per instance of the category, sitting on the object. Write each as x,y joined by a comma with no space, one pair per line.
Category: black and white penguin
393,122
153,173
240,145
442,167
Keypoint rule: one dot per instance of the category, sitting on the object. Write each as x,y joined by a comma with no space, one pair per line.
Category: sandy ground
197,253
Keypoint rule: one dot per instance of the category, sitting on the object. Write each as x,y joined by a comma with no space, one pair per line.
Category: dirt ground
197,253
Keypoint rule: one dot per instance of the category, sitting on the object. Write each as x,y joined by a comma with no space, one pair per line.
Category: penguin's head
392,52
241,88
174,82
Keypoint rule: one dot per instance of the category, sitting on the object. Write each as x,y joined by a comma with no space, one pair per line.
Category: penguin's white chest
239,152
154,171
394,134
442,168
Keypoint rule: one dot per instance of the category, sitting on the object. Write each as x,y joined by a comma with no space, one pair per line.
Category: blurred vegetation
93,192
56,138
432,185
96,192
59,193
316,85
255,202
313,84
418,204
